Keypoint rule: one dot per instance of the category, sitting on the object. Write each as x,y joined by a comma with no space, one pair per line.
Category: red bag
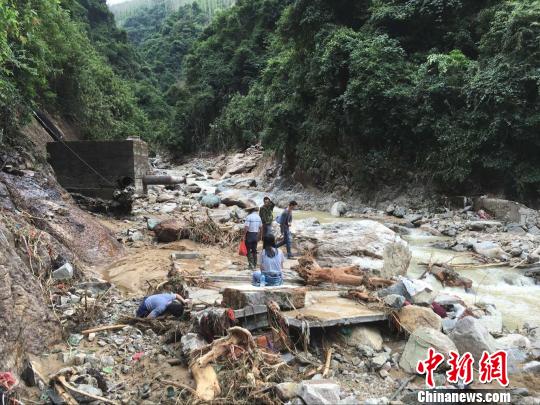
242,249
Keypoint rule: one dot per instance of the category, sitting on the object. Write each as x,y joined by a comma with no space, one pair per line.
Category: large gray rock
418,344
513,340
490,250
319,392
210,201
338,209
232,197
191,342
64,272
366,244
220,215
366,335
470,335
412,317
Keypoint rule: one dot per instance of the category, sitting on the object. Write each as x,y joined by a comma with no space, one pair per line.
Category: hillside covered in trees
359,94
69,57
141,12
365,93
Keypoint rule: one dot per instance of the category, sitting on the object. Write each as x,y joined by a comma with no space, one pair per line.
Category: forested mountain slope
67,57
133,15
366,93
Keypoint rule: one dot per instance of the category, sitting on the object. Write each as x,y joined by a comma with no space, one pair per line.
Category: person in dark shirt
266,212
285,220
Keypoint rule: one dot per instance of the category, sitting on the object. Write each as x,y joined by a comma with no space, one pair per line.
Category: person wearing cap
266,212
252,234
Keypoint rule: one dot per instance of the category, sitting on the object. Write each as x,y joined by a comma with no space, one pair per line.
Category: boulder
230,198
151,223
241,163
210,201
167,208
164,197
366,244
191,342
319,392
286,298
418,344
483,225
490,250
170,230
287,390
399,212
221,216
366,335
394,300
412,317
64,272
513,340
379,360
338,209
193,189
469,335
532,367
518,280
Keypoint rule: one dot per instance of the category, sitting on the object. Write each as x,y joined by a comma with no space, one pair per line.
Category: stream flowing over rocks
451,279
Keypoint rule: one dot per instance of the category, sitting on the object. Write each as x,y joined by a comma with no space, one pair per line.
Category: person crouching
162,304
271,263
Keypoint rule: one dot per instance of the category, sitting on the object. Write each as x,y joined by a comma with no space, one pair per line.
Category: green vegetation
360,93
134,15
49,59
373,92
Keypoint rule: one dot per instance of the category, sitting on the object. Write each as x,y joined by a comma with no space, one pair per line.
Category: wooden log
102,328
206,382
326,368
314,274
62,380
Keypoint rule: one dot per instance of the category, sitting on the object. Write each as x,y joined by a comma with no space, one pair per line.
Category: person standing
266,213
285,220
252,234
271,263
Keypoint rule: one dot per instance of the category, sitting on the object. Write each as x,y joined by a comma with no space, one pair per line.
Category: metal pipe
153,179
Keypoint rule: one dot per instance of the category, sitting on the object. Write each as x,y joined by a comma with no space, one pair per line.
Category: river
518,304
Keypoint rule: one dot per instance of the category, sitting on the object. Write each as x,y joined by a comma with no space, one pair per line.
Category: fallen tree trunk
314,274
206,382
207,385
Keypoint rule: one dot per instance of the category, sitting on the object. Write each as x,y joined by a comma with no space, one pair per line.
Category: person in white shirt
252,234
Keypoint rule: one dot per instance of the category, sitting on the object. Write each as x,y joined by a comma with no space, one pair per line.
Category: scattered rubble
237,343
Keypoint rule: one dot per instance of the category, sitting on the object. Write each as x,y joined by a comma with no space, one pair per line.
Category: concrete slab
326,308
238,297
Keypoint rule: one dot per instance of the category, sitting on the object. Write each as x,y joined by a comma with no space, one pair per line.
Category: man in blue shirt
285,220
162,304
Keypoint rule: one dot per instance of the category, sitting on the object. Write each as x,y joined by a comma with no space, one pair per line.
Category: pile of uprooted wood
365,285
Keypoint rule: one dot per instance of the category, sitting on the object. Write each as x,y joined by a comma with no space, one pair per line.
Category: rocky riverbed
459,280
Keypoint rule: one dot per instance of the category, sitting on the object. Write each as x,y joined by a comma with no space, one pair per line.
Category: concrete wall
117,162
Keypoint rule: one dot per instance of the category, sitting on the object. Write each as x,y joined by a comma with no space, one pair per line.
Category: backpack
282,218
